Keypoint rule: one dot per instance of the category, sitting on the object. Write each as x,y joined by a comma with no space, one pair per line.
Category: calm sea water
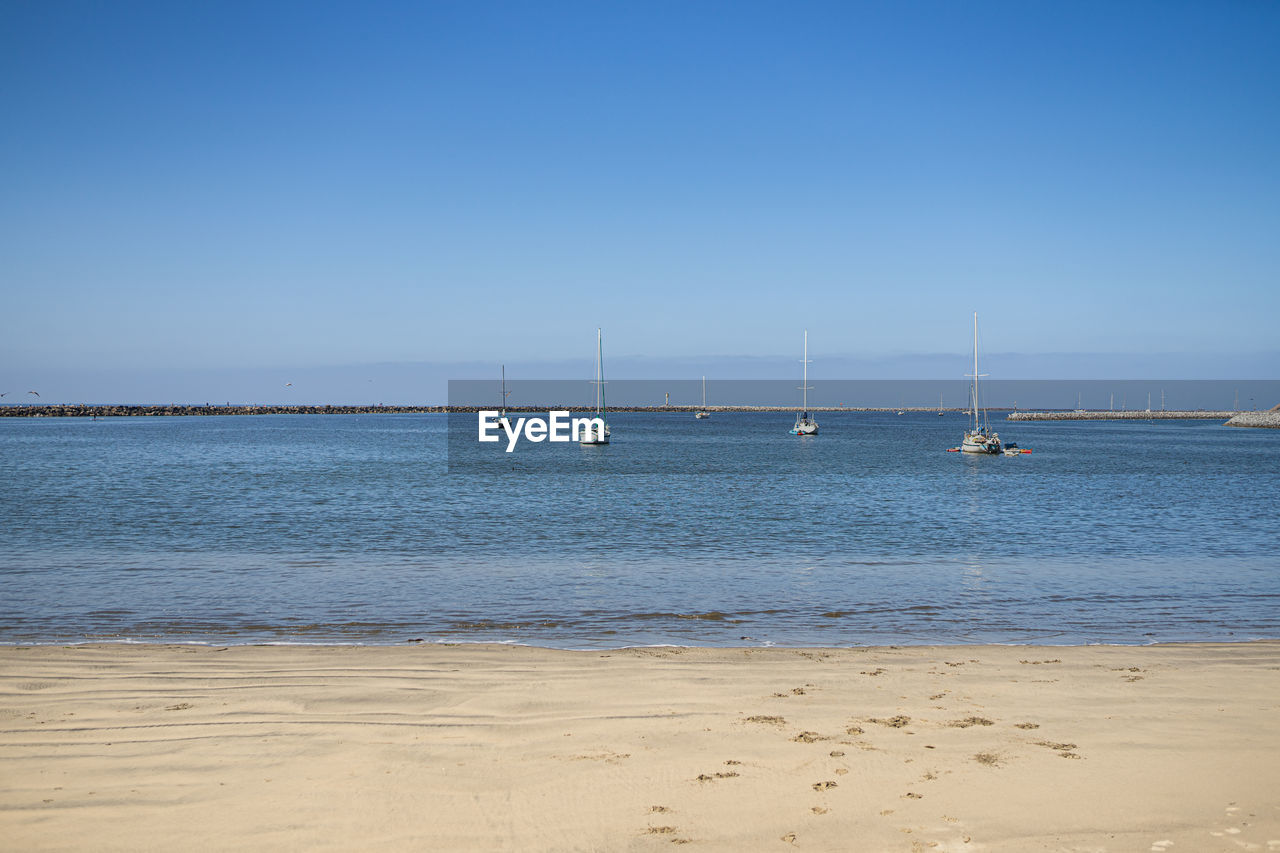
351,529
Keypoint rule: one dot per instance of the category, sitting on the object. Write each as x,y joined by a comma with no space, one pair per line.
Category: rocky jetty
1198,414
115,411
1267,420
79,410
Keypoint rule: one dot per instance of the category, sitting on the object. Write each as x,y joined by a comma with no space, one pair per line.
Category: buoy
1026,450
953,450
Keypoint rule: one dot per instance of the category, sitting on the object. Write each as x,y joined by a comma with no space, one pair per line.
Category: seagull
37,393
5,394
287,384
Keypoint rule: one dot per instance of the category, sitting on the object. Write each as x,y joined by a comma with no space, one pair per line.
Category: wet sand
1103,748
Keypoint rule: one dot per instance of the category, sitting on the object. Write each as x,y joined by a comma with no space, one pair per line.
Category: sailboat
702,413
979,438
805,425
591,437
939,405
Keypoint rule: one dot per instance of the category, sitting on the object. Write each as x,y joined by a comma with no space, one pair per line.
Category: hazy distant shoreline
105,411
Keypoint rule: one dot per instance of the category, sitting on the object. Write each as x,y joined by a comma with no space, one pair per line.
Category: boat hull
972,443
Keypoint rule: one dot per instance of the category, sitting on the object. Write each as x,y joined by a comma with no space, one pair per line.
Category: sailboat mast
805,384
600,409
975,371
704,392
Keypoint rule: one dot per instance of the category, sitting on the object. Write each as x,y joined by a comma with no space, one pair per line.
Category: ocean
387,529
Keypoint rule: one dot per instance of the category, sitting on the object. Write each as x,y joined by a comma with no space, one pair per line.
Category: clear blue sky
248,185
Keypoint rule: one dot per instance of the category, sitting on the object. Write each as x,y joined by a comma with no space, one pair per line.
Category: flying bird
37,393
287,384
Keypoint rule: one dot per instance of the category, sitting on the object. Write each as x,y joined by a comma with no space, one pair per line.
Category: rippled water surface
718,532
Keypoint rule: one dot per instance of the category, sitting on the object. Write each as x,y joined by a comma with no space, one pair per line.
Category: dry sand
119,747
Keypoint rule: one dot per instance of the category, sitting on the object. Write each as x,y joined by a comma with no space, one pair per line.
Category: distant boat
979,438
939,405
702,413
591,437
805,425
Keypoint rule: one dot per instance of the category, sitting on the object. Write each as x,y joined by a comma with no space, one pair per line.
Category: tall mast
600,369
804,387
704,392
504,389
975,371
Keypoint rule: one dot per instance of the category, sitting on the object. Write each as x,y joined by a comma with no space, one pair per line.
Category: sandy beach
430,747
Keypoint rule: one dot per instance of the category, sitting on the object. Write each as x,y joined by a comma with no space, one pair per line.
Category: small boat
979,438
939,405
591,437
805,425
703,414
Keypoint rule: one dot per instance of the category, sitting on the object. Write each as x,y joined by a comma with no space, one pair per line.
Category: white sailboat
805,425
592,437
702,413
979,438
939,405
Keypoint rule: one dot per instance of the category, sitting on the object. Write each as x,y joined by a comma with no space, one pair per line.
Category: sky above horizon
241,186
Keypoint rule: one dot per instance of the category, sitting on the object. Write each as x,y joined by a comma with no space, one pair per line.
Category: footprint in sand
822,786
970,721
1063,749
809,737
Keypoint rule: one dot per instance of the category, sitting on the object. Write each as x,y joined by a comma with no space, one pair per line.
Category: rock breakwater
1266,420
1197,414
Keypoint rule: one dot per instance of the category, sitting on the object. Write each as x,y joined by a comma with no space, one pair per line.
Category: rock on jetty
1198,414
1270,419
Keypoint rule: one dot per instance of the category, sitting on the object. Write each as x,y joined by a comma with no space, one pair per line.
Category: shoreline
460,643
486,747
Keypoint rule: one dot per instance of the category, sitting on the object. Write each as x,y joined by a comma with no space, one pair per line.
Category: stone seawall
1266,420
1250,419
84,411
113,411
1119,416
